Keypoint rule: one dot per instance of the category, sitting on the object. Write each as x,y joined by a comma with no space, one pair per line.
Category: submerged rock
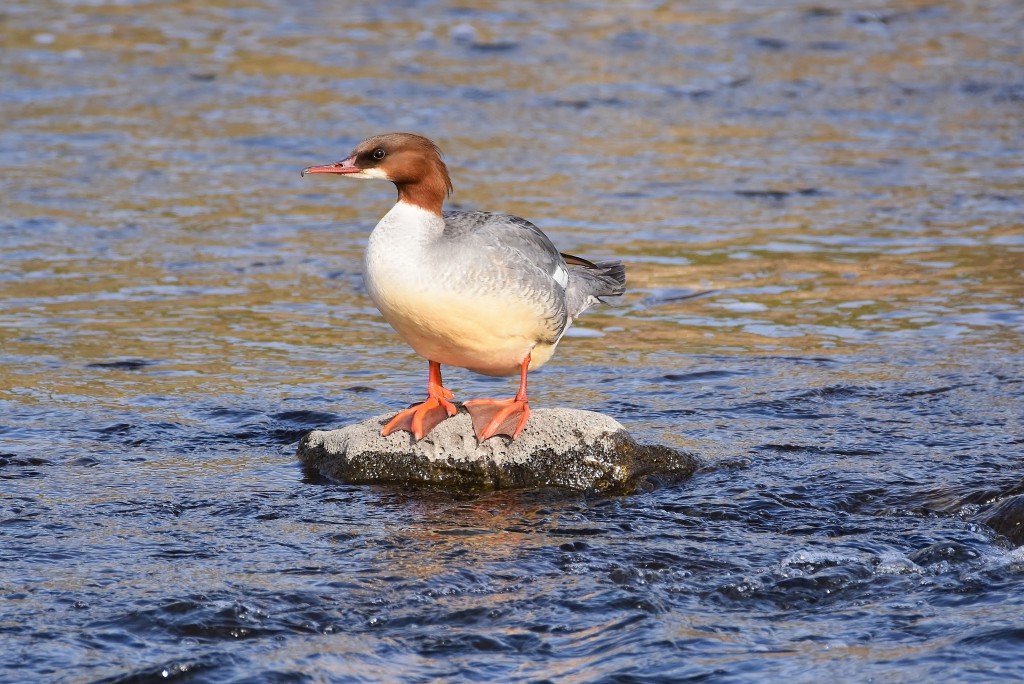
1006,518
565,448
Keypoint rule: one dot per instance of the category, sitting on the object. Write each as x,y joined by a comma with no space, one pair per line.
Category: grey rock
563,448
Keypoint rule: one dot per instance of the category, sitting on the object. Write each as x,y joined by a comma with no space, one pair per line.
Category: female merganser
487,292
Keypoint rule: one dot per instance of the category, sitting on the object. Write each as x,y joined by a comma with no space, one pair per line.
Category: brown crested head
413,163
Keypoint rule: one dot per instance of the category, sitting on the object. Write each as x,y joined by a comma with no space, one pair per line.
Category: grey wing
511,254
523,242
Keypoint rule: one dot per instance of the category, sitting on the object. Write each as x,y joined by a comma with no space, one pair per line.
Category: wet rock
948,552
563,448
1006,518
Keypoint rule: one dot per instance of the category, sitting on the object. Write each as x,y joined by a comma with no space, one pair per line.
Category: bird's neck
428,191
409,225
426,194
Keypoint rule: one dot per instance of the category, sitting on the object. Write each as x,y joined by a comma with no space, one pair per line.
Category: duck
479,290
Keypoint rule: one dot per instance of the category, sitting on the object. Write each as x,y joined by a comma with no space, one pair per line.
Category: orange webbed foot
498,417
422,418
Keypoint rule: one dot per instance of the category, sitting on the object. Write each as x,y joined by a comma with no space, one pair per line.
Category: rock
1006,518
565,448
948,552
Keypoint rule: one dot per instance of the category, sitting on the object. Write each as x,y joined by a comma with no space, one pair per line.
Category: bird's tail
590,281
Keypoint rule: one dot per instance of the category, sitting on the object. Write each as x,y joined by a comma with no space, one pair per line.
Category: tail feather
589,282
613,274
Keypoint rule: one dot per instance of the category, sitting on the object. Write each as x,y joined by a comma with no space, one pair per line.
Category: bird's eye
378,153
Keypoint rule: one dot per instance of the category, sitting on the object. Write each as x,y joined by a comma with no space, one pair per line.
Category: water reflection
820,211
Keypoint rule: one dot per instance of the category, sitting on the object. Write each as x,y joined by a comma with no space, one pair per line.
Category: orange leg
501,416
422,418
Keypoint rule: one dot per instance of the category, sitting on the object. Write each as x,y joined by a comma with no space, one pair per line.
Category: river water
820,207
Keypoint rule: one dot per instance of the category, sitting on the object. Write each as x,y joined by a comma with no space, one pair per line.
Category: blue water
820,211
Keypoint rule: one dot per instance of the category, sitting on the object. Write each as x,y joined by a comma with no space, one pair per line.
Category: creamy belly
484,334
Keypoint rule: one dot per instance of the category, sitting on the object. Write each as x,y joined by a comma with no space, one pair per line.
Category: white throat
410,221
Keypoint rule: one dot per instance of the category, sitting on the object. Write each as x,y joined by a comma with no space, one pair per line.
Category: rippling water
821,211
